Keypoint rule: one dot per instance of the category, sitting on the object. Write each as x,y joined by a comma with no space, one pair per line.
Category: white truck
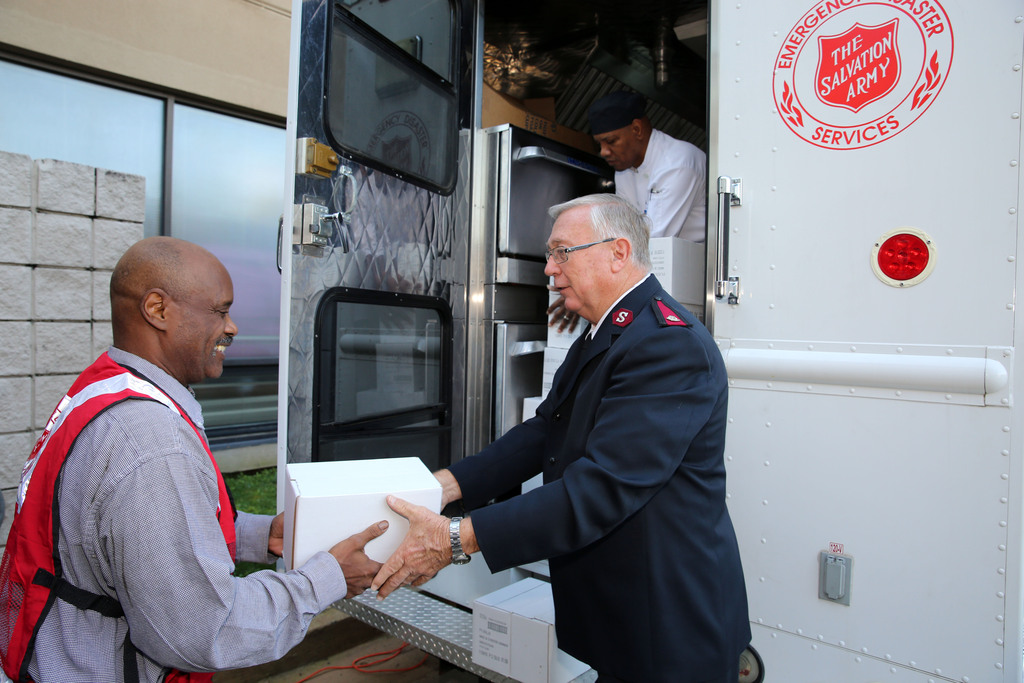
861,277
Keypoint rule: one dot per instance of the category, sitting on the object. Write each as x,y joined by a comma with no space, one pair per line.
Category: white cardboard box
492,623
679,266
553,359
326,502
514,635
530,404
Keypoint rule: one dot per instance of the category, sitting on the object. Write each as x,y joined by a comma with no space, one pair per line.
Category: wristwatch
459,555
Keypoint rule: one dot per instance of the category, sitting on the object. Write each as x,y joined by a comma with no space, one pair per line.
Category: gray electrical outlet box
834,573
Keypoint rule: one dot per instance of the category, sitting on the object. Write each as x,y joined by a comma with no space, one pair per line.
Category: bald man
123,485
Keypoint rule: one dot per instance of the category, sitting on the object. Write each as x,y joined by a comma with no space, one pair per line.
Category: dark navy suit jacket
645,567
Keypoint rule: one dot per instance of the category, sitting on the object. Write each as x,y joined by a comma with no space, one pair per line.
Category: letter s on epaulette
666,316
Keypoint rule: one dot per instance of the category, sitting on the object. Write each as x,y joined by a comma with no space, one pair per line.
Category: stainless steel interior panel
519,303
519,357
531,174
518,270
538,173
519,176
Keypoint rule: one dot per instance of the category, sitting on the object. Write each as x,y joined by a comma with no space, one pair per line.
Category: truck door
374,254
867,155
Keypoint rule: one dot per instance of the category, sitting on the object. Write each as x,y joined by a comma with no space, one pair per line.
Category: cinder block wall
63,227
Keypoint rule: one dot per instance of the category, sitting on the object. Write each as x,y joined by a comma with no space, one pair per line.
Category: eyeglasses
561,254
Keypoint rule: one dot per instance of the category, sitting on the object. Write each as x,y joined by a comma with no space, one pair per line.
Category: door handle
729,195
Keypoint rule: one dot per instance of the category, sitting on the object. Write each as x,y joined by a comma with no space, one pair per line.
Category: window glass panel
227,195
387,358
423,29
427,445
382,377
388,112
241,404
48,116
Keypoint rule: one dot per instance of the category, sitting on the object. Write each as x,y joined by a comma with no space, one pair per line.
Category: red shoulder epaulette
666,316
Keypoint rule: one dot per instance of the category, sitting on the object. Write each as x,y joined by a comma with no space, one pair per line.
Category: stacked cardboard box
536,116
679,266
514,635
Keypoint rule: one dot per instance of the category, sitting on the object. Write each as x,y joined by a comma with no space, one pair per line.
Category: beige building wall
232,51
64,226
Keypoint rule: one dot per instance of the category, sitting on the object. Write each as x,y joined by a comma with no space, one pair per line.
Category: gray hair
613,216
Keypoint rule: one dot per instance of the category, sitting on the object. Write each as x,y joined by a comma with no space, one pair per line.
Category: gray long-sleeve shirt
137,518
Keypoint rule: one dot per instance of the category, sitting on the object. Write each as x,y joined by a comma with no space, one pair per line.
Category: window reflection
422,29
227,195
49,116
385,109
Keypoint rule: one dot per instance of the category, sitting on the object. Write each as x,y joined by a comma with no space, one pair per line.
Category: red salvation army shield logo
854,73
859,66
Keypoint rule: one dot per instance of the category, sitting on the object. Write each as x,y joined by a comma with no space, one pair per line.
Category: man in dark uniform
645,568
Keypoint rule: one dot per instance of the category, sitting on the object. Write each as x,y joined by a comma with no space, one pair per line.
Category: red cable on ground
363,667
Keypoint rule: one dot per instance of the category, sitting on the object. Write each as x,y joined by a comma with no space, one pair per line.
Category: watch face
751,667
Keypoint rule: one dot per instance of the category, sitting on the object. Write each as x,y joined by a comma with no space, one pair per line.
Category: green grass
256,492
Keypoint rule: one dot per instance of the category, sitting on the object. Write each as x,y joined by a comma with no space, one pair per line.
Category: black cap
615,110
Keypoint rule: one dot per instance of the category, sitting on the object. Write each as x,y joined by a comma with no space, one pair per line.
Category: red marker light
903,256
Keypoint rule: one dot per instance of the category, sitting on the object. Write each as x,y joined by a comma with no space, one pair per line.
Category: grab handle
729,195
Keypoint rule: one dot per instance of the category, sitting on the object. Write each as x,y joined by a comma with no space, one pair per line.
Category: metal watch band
459,556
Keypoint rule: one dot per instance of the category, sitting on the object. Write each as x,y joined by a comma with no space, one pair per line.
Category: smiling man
645,568
119,560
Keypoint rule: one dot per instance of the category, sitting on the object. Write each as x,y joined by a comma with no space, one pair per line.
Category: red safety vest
31,577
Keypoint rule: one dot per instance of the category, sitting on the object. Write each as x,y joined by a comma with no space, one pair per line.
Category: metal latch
732,187
313,225
728,289
314,158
